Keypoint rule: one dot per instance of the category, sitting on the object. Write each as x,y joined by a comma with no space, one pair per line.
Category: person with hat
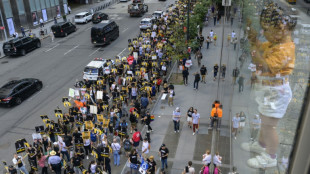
176,119
152,165
54,162
163,153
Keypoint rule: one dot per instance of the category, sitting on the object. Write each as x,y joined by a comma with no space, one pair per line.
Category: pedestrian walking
235,41
152,165
69,9
42,161
163,154
233,34
198,56
232,20
241,83
15,35
176,117
206,158
214,39
228,39
242,121
203,72
64,150
146,146
171,96
255,126
41,22
189,117
54,162
189,169
223,71
211,34
235,125
147,120
196,120
19,164
116,147
136,138
214,18
185,74
196,80
208,40
235,74
217,161
23,31
55,20
215,71
134,162
76,162
87,147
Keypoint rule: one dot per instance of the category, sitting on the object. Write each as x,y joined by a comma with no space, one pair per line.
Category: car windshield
7,46
10,85
78,16
145,22
91,70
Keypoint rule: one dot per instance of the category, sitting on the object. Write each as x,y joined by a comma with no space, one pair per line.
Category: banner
99,95
93,109
71,92
100,117
36,136
40,129
86,135
44,15
58,113
89,125
20,145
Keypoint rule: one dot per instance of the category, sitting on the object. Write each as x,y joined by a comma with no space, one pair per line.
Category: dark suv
62,29
21,45
98,17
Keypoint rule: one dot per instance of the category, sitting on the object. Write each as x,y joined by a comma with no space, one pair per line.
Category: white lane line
34,95
71,49
60,40
124,30
88,28
94,52
121,52
51,48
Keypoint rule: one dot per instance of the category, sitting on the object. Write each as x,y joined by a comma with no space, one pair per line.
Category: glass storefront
270,83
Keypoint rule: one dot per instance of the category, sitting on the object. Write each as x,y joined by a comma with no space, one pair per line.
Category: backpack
127,144
93,137
136,137
159,81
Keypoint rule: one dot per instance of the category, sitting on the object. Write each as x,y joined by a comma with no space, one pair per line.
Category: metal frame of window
7,10
20,7
300,158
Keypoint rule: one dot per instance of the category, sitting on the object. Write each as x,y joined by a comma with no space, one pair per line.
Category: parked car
146,23
21,45
14,92
83,17
63,29
98,17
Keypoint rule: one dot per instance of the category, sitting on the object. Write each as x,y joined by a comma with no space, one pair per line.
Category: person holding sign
19,163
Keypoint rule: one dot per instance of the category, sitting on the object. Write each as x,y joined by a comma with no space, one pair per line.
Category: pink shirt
42,161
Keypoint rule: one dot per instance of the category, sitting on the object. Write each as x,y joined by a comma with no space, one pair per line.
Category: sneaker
86,156
178,131
262,161
235,138
252,147
175,131
194,133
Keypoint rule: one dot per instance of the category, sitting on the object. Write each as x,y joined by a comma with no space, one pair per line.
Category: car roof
82,13
15,39
102,24
146,19
60,23
158,11
13,83
96,63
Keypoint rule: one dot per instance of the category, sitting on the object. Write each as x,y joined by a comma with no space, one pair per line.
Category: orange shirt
217,110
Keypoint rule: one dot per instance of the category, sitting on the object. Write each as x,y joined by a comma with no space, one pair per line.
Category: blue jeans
65,153
176,125
23,169
116,157
163,163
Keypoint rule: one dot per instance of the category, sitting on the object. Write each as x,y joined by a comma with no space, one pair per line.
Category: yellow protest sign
105,123
89,125
58,113
100,117
86,135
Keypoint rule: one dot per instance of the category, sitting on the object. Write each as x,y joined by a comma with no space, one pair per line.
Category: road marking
60,40
71,49
124,30
34,95
94,52
51,48
121,52
88,28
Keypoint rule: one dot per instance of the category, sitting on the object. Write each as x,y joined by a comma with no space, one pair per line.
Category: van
104,32
305,29
63,29
97,68
83,17
21,45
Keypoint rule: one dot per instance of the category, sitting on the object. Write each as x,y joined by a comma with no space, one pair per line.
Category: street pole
6,37
187,31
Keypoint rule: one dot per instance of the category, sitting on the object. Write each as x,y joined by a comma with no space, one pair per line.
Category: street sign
226,2
1,28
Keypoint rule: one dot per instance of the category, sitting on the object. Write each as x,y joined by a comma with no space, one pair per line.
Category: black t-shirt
133,158
68,140
32,152
77,135
216,68
203,70
151,165
163,152
13,171
76,161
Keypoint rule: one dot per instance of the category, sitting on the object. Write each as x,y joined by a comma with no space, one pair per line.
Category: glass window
38,6
32,5
65,1
20,6
42,4
7,8
56,2
52,3
47,3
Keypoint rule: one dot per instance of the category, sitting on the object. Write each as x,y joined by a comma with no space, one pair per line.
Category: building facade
27,13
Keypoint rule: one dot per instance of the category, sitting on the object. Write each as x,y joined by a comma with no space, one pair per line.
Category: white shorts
273,100
189,119
242,124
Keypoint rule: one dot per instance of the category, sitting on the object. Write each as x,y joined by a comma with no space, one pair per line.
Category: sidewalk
98,6
185,146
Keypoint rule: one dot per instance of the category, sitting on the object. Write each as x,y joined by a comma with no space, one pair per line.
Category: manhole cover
3,62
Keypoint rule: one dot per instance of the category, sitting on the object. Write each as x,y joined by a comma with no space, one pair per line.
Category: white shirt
206,159
15,161
211,34
93,168
195,117
171,93
217,160
87,142
191,170
41,20
233,34
145,145
115,146
63,146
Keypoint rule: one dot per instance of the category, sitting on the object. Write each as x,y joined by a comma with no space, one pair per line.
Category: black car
14,92
104,33
21,45
98,17
62,29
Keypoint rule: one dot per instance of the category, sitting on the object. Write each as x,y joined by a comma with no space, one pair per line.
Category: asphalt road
58,65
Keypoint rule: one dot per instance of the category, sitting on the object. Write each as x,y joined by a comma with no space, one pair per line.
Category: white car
83,17
157,14
146,23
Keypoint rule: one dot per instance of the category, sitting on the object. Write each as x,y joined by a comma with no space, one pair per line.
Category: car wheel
23,52
66,34
38,44
18,101
38,86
